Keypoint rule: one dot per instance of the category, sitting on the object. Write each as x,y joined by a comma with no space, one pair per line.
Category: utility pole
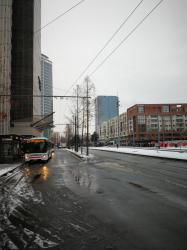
118,141
87,114
77,147
82,136
68,136
75,133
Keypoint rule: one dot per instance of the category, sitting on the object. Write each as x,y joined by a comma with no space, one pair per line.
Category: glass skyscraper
106,107
47,90
46,85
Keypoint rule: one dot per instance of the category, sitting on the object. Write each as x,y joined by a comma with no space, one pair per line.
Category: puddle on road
82,177
113,166
41,173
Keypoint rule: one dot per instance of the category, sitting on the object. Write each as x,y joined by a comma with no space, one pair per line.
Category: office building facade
21,65
106,107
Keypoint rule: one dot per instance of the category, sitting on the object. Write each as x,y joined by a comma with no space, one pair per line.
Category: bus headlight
26,157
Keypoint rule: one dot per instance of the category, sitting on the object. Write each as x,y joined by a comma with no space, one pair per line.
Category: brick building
157,122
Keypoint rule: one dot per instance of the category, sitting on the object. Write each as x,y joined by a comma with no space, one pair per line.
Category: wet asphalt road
112,201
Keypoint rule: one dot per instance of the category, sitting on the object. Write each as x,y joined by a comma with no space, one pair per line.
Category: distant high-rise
20,20
106,107
46,85
47,90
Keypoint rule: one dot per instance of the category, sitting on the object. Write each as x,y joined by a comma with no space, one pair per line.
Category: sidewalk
161,153
78,154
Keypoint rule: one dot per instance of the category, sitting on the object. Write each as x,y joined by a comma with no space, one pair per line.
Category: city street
110,201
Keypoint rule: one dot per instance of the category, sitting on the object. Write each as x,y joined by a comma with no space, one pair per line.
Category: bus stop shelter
10,148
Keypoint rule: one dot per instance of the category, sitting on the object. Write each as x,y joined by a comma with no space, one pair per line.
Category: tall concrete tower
5,64
26,67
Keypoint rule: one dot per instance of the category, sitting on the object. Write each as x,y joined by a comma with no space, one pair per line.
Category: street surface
111,201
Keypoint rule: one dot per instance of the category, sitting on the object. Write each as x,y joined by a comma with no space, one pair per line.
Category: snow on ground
180,154
171,153
4,168
83,155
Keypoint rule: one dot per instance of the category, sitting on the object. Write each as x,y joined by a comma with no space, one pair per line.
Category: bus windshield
36,146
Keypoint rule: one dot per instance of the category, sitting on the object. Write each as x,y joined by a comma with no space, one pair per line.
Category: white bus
38,148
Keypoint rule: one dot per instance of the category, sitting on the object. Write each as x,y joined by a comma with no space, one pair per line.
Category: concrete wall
5,64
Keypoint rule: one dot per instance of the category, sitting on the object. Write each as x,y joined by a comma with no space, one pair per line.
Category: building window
39,84
165,109
141,109
154,126
141,119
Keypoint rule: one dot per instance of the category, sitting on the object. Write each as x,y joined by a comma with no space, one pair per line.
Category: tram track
17,195
12,178
6,177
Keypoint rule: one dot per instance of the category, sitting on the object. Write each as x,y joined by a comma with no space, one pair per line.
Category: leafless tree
79,105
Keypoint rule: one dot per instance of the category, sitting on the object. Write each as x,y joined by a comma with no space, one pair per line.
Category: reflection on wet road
81,176
41,172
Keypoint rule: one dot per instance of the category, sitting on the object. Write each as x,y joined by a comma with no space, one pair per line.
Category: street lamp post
158,131
87,114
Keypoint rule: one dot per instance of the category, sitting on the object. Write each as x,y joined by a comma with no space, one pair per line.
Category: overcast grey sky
150,67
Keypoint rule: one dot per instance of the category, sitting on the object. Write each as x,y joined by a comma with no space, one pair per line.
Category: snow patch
78,228
44,243
4,168
28,232
178,155
8,243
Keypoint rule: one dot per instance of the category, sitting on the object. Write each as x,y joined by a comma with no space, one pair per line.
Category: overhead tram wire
105,45
56,18
110,39
63,14
130,33
51,96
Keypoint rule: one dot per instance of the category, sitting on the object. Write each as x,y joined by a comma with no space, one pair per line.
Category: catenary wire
105,45
129,34
109,40
63,14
